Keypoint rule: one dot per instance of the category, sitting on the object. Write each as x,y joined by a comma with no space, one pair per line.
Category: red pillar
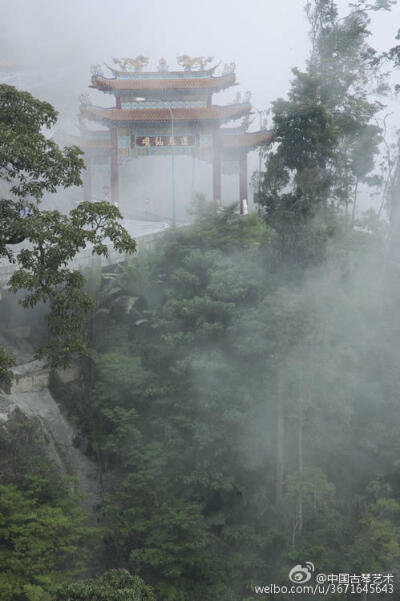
114,167
216,168
242,179
87,179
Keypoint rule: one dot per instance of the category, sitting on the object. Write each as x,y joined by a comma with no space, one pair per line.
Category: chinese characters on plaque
163,141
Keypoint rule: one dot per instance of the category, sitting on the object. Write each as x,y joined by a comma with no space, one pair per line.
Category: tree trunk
353,213
294,528
300,428
280,439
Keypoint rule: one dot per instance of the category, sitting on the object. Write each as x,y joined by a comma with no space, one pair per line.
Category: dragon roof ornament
198,62
96,71
131,64
229,68
84,99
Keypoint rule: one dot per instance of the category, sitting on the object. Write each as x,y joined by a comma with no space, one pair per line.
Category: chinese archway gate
163,112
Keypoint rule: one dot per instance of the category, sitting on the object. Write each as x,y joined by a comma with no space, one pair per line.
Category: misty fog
199,364
48,48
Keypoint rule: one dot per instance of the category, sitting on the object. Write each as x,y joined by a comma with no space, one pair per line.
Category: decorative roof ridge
114,84
246,139
149,74
101,77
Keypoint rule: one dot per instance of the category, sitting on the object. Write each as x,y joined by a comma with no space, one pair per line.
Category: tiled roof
151,74
204,83
212,113
245,139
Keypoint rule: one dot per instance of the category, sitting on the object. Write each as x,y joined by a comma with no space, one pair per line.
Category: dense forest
239,381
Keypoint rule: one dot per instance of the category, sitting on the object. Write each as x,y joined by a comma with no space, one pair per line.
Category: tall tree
324,137
31,164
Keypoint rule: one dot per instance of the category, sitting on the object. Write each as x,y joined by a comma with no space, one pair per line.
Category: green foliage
184,298
6,362
39,542
29,161
156,532
45,276
114,585
44,536
31,164
324,138
304,129
377,544
203,352
242,394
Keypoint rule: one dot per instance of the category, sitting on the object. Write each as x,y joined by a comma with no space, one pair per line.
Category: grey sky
54,42
265,38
